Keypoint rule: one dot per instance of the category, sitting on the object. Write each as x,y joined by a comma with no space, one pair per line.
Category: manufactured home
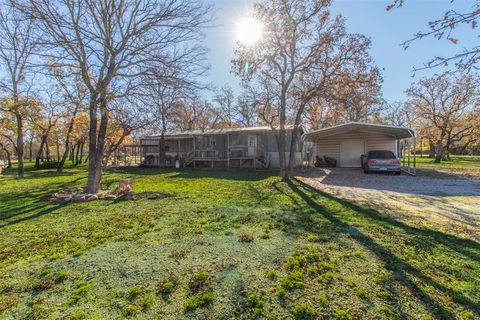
249,147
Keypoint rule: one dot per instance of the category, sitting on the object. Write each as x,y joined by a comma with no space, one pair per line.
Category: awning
360,127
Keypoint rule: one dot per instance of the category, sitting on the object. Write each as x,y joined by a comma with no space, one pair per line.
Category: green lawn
456,162
222,245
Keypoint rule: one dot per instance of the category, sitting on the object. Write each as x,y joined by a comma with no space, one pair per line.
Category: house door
252,146
350,153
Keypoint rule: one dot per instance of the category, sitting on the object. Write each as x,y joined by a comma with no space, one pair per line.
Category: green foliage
198,281
168,285
327,277
323,300
304,311
272,274
148,301
468,315
281,293
255,304
48,251
293,280
198,300
134,292
341,314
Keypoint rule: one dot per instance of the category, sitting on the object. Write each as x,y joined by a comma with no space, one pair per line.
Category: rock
92,197
79,197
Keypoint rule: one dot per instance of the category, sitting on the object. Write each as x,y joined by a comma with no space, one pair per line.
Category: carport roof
360,127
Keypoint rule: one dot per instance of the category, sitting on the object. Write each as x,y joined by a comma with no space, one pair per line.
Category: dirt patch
445,202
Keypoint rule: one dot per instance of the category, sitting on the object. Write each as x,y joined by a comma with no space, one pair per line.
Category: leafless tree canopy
444,28
112,44
305,52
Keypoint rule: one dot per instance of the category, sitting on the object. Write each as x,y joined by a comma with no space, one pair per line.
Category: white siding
330,146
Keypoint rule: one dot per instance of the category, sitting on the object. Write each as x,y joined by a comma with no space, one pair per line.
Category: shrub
133,293
293,280
272,274
281,294
198,300
327,277
304,311
198,281
246,237
62,276
167,285
130,309
341,314
468,315
148,301
255,304
323,300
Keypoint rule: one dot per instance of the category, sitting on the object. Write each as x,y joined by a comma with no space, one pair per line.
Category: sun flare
249,31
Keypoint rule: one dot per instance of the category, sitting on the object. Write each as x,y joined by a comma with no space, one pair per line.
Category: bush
272,274
341,314
246,237
198,300
304,311
293,280
133,293
255,304
198,281
167,285
281,294
148,301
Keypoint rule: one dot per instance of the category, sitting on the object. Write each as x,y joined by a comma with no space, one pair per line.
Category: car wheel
366,171
397,173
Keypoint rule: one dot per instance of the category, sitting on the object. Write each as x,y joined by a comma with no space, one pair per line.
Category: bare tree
444,28
446,104
246,109
112,44
16,49
44,120
225,99
303,52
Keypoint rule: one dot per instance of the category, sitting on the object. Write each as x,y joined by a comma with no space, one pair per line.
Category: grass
469,164
180,254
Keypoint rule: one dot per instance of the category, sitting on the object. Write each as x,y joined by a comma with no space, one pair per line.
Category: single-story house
347,142
248,147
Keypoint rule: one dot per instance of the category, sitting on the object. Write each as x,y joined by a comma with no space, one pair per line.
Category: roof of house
361,127
189,134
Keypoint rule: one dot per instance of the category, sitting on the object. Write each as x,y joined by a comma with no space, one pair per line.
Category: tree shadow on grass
405,273
17,207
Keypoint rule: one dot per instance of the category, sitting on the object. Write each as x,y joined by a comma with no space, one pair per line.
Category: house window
236,140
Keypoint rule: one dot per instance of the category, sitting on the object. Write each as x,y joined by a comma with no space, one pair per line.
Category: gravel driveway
442,201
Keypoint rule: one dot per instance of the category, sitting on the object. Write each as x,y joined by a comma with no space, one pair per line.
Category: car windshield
380,154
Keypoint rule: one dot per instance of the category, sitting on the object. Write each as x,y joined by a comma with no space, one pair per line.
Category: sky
387,30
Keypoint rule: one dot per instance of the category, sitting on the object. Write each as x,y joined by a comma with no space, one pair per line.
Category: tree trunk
76,154
39,153
161,150
9,159
293,148
431,149
30,151
81,153
96,144
57,146
438,151
20,147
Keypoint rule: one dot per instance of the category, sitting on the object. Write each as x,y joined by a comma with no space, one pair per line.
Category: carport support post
415,155
409,146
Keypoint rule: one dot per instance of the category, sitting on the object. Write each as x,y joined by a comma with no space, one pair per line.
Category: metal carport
336,141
